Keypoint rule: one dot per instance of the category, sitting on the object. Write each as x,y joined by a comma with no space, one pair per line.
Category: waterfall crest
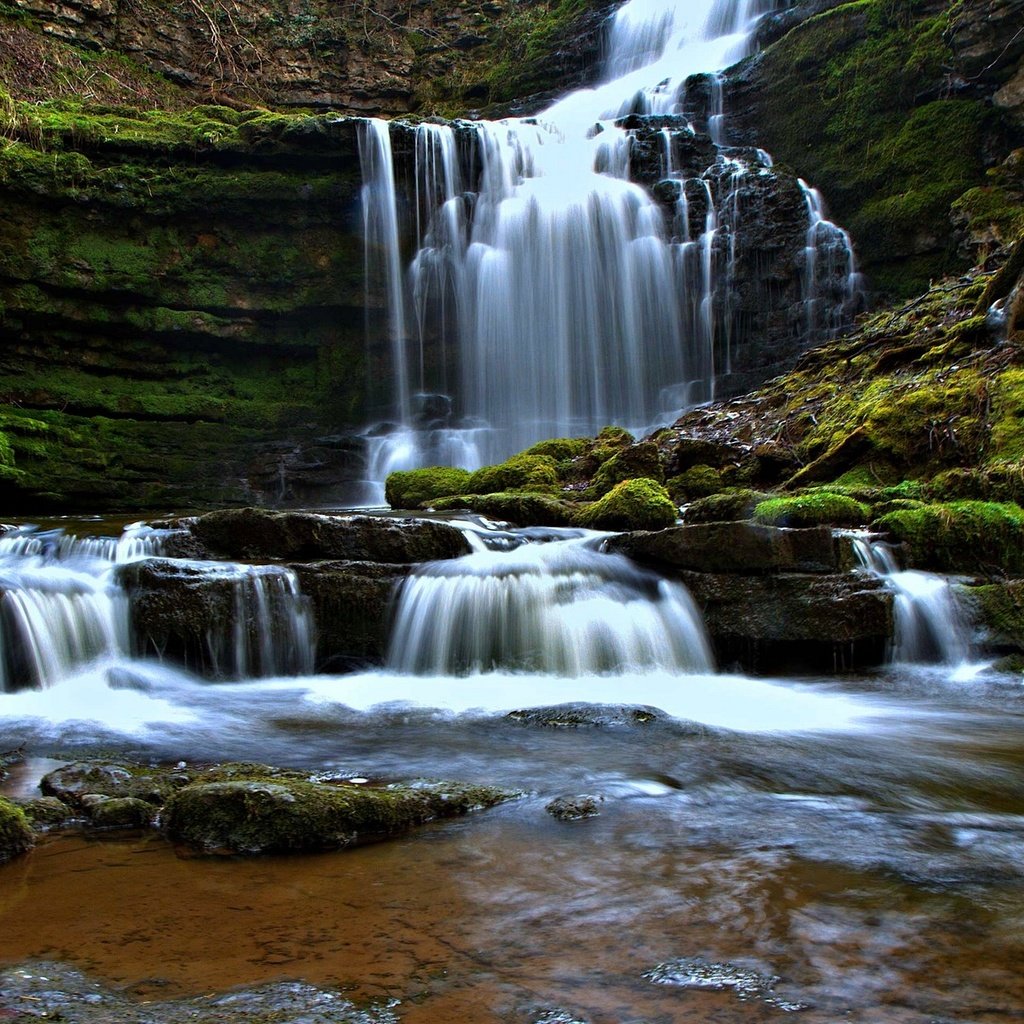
558,608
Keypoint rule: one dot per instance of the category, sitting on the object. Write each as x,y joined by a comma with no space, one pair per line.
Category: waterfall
62,609
558,608
929,625
549,294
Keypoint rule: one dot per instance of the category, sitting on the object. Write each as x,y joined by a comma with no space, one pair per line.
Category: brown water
879,877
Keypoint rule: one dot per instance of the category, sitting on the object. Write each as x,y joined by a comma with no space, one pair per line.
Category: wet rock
119,812
260,815
47,812
251,534
995,612
698,973
351,603
737,547
74,782
574,808
790,622
53,991
581,716
15,831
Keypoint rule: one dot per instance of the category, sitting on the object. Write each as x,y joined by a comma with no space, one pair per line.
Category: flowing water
549,295
851,846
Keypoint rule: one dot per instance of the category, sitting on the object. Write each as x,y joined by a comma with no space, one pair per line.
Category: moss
15,831
260,815
634,460
960,536
814,509
696,482
524,508
561,449
521,472
639,504
610,441
413,488
997,609
730,506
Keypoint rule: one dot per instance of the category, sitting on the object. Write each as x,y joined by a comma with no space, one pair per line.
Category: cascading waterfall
62,609
552,292
558,608
929,625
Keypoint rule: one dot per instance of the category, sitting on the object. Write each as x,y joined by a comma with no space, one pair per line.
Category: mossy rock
120,812
610,441
819,508
47,812
561,449
15,831
74,783
960,536
522,472
636,460
412,488
523,508
997,613
998,483
727,507
640,504
280,814
696,482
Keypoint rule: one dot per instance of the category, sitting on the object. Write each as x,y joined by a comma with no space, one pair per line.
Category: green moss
561,449
639,504
960,536
814,509
412,488
696,482
521,472
524,508
728,507
15,831
281,814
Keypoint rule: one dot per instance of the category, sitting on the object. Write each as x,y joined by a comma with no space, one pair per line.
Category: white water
64,615
929,625
556,298
559,608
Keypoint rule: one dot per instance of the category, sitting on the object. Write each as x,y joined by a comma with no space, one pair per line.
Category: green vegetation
15,831
521,472
818,508
634,460
415,488
726,507
844,107
961,536
260,815
638,504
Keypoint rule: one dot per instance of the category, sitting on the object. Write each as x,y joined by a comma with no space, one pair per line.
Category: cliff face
182,303
893,110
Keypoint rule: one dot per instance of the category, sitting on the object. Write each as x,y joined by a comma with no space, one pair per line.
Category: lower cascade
560,608
928,621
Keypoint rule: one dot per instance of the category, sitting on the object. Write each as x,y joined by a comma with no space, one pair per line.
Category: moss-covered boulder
413,488
698,481
522,472
263,815
522,508
813,509
15,831
961,536
75,783
996,612
120,812
640,504
46,812
728,506
635,460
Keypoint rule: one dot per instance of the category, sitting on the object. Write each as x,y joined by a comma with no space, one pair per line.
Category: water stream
859,840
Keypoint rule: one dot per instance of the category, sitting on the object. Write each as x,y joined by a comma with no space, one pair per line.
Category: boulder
15,831
119,812
73,783
46,812
789,622
252,534
737,547
260,815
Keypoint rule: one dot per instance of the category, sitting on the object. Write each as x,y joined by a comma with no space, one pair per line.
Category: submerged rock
281,814
582,716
